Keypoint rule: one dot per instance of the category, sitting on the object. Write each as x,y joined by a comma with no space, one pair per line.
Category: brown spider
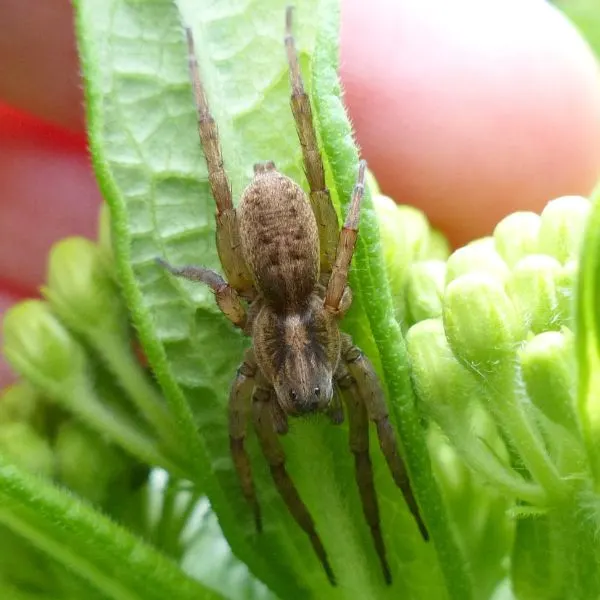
286,266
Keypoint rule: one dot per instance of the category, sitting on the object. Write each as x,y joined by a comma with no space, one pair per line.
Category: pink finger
470,109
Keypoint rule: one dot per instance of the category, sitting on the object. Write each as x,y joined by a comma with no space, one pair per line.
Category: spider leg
371,394
228,235
280,420
336,286
320,199
227,298
240,405
273,451
359,445
335,411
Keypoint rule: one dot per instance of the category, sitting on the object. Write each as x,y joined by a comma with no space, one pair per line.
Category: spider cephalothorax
286,266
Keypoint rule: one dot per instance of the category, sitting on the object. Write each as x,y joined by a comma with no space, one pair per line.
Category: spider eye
317,391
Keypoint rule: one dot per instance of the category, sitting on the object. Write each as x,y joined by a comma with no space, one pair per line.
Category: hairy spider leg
336,410
371,394
228,235
240,406
280,419
227,298
358,432
275,456
320,199
338,281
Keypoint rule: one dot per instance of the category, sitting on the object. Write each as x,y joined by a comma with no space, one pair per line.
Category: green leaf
88,543
147,157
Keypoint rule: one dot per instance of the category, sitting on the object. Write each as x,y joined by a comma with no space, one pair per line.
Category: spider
286,266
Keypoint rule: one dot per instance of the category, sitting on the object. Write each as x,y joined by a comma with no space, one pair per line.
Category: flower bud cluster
84,414
490,329
408,241
67,418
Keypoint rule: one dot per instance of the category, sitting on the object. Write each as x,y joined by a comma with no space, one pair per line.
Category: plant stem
506,405
77,395
478,456
134,381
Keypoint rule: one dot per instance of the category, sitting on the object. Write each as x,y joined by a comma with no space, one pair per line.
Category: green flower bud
81,288
424,290
549,370
516,236
405,236
19,402
532,288
482,325
83,293
562,227
479,256
372,183
450,393
26,448
439,247
86,463
404,231
449,468
38,346
565,288
440,381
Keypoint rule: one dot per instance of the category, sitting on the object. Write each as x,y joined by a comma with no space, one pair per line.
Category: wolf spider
286,268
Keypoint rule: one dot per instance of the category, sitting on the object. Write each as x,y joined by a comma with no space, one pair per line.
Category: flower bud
516,236
372,184
449,468
19,402
479,256
549,368
532,288
405,235
26,448
80,286
86,463
440,380
424,290
439,247
482,325
565,289
404,231
37,345
562,227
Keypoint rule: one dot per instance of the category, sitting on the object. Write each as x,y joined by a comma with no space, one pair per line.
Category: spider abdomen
279,238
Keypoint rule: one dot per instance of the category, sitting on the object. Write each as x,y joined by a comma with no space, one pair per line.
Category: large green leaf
148,161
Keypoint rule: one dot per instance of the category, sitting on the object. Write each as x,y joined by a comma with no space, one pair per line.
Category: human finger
471,110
